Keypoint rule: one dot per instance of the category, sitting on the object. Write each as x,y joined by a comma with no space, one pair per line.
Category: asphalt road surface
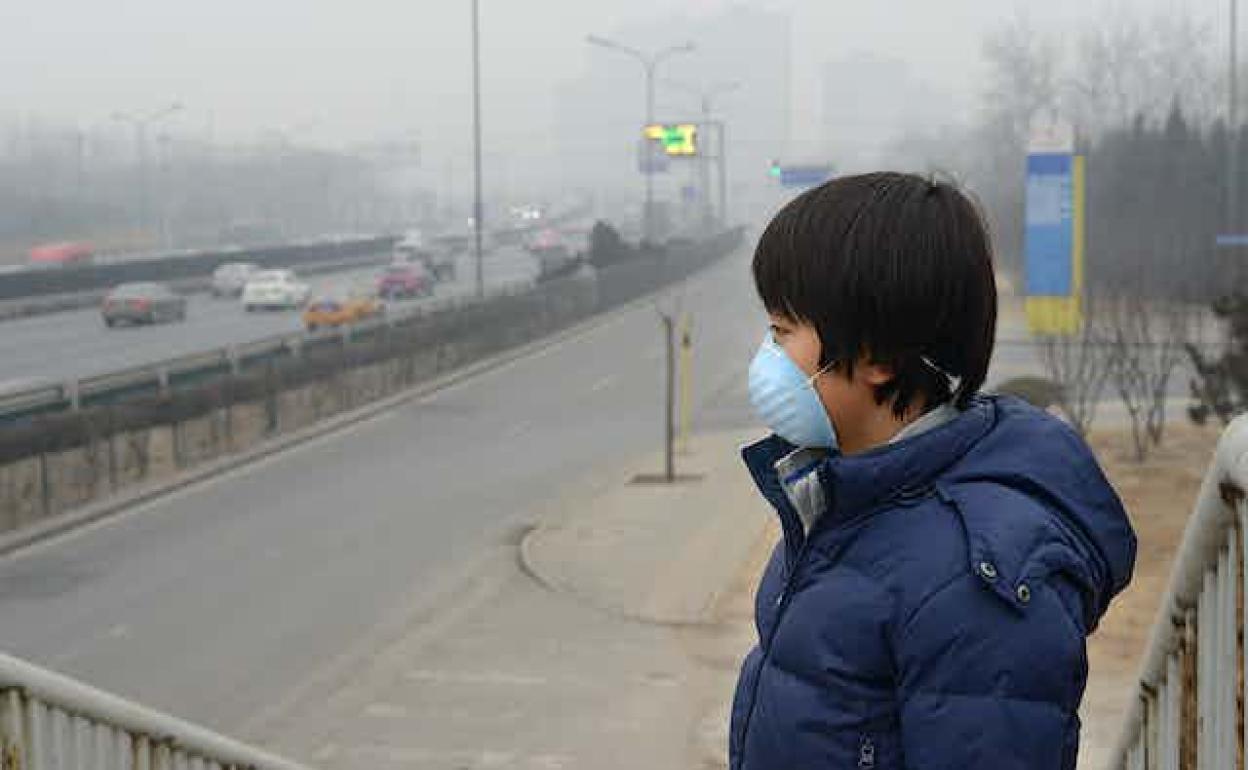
63,346
214,602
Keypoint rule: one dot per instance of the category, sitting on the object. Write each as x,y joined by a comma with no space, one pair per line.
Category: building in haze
870,102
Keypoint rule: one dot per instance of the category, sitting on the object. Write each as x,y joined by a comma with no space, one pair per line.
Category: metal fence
1190,711
33,283
51,722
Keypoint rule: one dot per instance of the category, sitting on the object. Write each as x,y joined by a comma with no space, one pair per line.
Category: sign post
1054,233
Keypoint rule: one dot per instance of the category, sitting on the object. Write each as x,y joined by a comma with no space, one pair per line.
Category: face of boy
849,401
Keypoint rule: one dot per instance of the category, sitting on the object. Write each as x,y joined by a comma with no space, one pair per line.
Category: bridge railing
1189,713
52,722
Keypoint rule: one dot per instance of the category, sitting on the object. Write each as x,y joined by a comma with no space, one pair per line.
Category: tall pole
650,61
477,208
721,153
1232,197
669,417
704,164
647,216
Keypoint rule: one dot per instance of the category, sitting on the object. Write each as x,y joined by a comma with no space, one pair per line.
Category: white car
279,289
229,279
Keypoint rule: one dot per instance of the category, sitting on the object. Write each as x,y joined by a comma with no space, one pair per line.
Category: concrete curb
64,523
625,554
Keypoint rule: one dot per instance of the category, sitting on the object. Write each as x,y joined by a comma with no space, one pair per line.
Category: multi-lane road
63,346
214,602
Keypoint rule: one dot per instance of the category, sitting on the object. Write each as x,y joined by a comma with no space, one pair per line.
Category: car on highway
274,289
142,303
61,255
229,279
405,279
333,311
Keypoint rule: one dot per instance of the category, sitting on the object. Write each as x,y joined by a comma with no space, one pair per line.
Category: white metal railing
1190,711
51,722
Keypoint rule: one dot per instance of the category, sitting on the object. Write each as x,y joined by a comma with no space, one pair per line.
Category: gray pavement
606,648
62,346
218,601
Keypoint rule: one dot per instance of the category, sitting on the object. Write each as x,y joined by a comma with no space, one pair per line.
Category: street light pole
650,62
1232,197
477,207
140,123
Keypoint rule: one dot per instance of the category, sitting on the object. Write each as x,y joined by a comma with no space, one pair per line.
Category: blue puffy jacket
935,615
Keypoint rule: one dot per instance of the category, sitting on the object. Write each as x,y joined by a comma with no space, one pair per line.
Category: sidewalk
609,636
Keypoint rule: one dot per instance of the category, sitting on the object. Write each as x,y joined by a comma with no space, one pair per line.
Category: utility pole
650,63
477,207
1232,196
140,123
707,96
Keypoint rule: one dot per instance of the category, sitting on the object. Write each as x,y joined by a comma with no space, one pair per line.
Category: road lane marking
603,384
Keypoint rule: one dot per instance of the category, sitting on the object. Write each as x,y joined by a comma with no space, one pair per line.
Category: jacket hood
1029,491
1081,530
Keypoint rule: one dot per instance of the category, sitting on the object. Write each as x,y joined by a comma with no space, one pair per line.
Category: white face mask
785,399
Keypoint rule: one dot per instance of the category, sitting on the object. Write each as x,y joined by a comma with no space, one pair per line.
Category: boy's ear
875,374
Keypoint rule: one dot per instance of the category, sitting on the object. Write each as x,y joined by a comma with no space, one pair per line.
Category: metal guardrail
51,722
1192,690
74,393
158,375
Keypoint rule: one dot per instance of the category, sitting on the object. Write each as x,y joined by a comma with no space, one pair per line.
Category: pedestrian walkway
598,640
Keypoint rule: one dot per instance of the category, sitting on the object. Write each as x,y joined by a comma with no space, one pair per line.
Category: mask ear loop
955,382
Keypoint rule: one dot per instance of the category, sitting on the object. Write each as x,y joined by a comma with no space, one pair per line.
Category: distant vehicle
229,279
410,279
332,312
61,255
142,303
274,289
436,257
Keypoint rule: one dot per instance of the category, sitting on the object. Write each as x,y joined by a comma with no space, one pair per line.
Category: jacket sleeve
986,682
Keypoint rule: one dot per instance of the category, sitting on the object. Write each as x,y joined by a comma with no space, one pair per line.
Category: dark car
143,303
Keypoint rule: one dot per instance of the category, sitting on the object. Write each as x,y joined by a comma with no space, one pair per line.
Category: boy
945,553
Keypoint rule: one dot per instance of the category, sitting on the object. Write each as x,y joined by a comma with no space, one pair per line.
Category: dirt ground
1159,495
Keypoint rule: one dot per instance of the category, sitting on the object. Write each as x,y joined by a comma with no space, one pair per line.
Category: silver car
143,303
229,279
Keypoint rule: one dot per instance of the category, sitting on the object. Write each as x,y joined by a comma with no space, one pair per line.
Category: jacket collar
859,484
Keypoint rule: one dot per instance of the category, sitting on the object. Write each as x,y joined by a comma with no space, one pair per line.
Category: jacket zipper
782,602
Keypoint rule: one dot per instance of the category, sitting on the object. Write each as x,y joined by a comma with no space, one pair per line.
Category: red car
405,280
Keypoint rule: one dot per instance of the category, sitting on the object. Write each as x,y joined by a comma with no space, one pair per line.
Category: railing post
72,391
1187,705
12,732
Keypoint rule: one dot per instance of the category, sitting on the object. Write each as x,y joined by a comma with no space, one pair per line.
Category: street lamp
140,122
706,96
1232,196
477,207
650,61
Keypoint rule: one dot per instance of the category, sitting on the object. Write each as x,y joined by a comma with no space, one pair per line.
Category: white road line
603,384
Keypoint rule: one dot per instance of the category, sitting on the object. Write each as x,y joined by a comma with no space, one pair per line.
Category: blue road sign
1048,240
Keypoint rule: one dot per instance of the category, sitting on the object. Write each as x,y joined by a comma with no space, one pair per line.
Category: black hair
894,267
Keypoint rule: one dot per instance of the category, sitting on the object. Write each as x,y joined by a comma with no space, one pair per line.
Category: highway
63,346
216,601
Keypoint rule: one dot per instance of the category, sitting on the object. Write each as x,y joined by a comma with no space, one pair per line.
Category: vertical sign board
1053,241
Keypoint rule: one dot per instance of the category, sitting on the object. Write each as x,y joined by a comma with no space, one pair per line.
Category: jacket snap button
988,570
1023,593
